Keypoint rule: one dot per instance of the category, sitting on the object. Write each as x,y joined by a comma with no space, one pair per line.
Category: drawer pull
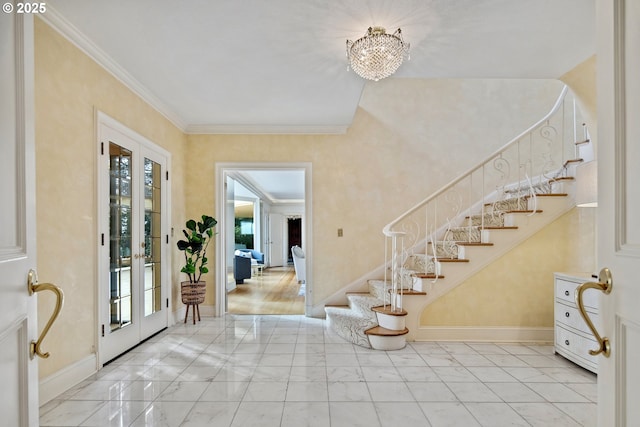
604,284
566,314
566,342
566,293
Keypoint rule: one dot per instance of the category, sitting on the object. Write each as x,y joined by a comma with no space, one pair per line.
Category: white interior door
276,237
619,208
134,287
18,311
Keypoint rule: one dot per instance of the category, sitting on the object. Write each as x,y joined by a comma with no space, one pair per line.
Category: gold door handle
32,283
604,284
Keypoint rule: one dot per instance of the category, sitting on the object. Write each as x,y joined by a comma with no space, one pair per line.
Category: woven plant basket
192,293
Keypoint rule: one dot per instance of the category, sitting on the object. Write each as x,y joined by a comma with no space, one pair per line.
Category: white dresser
573,338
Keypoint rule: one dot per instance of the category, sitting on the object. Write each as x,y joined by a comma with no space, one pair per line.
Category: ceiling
274,185
279,66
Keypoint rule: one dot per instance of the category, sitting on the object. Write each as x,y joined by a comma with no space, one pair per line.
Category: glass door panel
120,274
152,237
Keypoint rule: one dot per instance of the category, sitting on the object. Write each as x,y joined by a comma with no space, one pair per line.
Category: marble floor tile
394,414
116,414
224,391
390,392
431,392
514,392
291,371
555,392
473,392
448,414
71,412
258,414
348,373
306,414
300,391
349,392
213,414
543,415
163,414
495,414
354,414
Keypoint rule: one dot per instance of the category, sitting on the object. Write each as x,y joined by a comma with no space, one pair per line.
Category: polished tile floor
292,371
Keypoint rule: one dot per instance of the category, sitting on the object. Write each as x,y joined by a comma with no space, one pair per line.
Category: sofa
258,256
241,267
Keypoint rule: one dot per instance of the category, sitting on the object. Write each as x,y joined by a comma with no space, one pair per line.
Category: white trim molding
59,382
485,334
268,129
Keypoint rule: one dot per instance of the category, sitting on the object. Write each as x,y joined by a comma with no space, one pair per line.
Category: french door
134,300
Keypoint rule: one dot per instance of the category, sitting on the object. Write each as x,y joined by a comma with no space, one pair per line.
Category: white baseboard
56,384
485,334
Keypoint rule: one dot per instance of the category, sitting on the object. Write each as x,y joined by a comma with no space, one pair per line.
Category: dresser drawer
566,291
570,317
575,344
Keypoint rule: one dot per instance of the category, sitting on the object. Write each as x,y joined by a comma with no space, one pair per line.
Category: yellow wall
69,87
517,289
408,138
582,81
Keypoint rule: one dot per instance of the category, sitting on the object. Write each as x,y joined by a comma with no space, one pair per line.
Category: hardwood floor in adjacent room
276,291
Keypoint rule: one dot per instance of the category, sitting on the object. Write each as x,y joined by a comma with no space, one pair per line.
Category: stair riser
396,323
387,343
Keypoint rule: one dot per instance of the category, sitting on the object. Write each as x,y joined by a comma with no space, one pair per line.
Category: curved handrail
387,228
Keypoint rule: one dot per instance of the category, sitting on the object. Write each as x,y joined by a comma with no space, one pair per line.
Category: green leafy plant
198,235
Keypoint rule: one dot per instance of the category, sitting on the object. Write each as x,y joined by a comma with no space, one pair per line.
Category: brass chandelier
377,55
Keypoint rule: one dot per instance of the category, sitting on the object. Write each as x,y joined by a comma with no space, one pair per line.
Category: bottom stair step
387,339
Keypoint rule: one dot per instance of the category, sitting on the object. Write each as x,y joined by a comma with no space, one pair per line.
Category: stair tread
380,331
336,306
410,292
387,310
473,244
428,276
548,195
562,178
570,161
504,227
452,260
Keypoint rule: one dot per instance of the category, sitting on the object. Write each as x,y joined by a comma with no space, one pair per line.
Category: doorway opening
263,209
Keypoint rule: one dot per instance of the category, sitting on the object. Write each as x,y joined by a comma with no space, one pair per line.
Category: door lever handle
604,284
34,286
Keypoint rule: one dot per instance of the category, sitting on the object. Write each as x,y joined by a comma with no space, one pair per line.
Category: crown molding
267,129
56,21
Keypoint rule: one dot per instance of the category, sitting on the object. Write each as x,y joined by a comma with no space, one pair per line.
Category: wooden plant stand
192,296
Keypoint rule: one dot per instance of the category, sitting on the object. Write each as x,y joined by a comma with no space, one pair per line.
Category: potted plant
198,236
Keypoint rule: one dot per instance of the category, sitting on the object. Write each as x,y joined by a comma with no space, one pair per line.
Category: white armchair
298,263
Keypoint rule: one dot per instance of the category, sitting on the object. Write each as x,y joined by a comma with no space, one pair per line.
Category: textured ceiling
279,66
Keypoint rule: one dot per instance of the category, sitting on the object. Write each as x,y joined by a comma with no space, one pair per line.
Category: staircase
460,229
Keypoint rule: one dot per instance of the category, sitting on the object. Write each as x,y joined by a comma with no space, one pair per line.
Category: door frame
221,171
101,119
